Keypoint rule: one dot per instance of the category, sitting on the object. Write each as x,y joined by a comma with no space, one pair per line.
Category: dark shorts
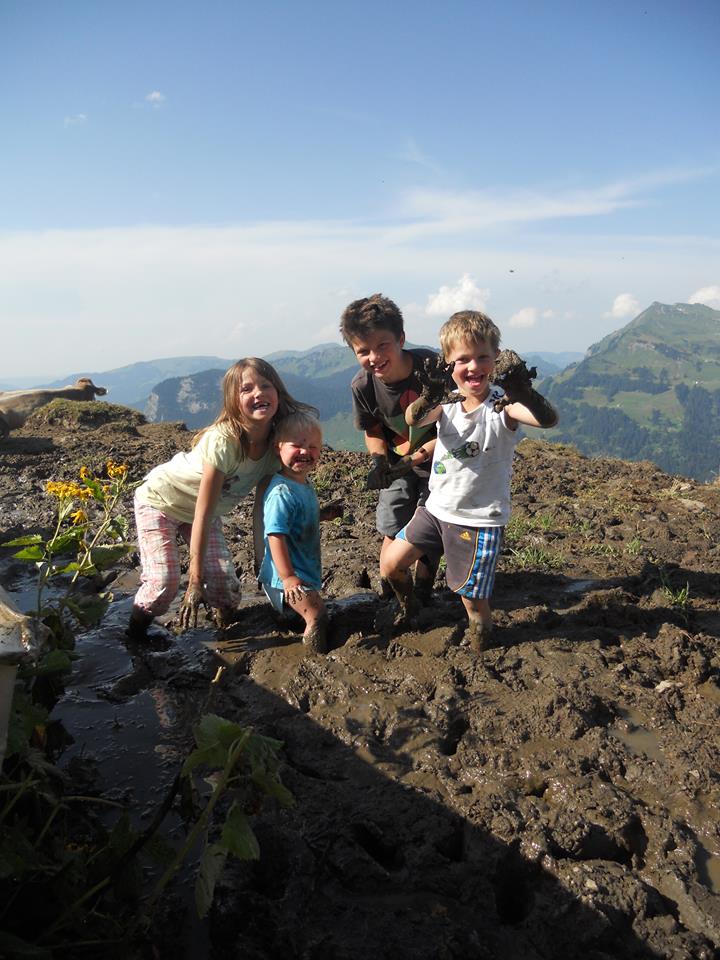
397,503
471,553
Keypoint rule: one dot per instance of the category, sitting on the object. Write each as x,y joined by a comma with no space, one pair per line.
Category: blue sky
222,178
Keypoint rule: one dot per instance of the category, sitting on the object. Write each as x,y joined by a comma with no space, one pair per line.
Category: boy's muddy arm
521,401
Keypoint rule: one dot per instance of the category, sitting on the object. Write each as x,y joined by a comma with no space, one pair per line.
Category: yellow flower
116,469
84,472
78,517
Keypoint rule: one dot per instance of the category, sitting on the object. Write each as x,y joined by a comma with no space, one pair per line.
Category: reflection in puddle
631,731
708,868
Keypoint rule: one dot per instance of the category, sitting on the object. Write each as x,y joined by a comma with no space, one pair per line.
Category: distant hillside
320,376
132,384
648,391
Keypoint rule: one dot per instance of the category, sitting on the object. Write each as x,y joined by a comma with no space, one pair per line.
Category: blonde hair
290,426
232,417
470,325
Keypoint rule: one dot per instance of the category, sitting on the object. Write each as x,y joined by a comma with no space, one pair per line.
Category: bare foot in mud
315,638
479,636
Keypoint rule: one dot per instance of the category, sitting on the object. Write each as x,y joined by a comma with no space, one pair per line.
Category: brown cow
17,405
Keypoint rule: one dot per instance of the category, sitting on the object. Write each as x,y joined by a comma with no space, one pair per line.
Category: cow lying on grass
17,405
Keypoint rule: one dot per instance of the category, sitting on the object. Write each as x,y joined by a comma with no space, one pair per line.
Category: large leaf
106,556
30,553
24,717
271,785
214,736
237,835
89,609
23,541
65,540
55,661
211,867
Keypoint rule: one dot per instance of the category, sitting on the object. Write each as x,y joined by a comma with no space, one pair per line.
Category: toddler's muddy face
299,454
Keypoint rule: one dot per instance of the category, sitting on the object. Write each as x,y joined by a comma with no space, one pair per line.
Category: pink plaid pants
157,537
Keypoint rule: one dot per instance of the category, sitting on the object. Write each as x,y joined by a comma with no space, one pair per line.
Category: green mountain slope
648,391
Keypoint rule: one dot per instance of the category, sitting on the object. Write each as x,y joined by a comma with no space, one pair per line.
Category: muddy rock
555,796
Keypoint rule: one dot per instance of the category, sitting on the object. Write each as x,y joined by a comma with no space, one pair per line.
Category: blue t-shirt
292,509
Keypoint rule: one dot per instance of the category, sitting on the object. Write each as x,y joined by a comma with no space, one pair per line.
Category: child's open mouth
379,368
261,405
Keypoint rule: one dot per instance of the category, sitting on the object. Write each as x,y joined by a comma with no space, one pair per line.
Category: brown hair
369,314
231,416
468,325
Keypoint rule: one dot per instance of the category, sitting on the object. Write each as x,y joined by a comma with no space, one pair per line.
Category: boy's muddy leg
309,604
425,570
479,633
405,592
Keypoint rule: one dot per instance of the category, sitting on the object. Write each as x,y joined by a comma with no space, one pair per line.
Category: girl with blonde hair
188,495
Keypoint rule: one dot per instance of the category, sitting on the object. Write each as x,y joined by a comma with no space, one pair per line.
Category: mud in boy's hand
512,374
378,478
437,387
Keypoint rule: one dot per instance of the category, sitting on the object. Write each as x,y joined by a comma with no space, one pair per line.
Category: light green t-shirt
173,487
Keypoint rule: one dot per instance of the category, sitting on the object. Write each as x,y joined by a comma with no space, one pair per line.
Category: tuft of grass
634,547
536,558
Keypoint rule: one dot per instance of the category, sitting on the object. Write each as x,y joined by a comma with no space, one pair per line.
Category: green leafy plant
245,766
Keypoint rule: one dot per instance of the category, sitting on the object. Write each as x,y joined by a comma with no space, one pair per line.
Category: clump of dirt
557,796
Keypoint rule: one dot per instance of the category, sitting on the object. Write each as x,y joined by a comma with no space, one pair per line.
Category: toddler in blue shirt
291,572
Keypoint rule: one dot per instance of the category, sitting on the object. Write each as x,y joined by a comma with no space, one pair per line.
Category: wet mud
555,796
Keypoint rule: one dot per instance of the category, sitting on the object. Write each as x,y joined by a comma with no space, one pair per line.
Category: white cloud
525,318
75,120
413,154
155,98
710,296
548,314
624,305
465,295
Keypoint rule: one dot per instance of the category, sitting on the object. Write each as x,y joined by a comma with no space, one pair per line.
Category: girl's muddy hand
192,601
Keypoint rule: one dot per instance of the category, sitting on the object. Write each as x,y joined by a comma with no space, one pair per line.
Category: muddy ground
557,796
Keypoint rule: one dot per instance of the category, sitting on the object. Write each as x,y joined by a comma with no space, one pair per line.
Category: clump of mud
557,796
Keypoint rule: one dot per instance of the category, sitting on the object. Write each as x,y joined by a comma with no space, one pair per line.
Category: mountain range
650,391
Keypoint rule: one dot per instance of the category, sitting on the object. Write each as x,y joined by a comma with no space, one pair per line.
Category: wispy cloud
155,98
75,120
435,212
710,296
465,295
413,154
624,305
